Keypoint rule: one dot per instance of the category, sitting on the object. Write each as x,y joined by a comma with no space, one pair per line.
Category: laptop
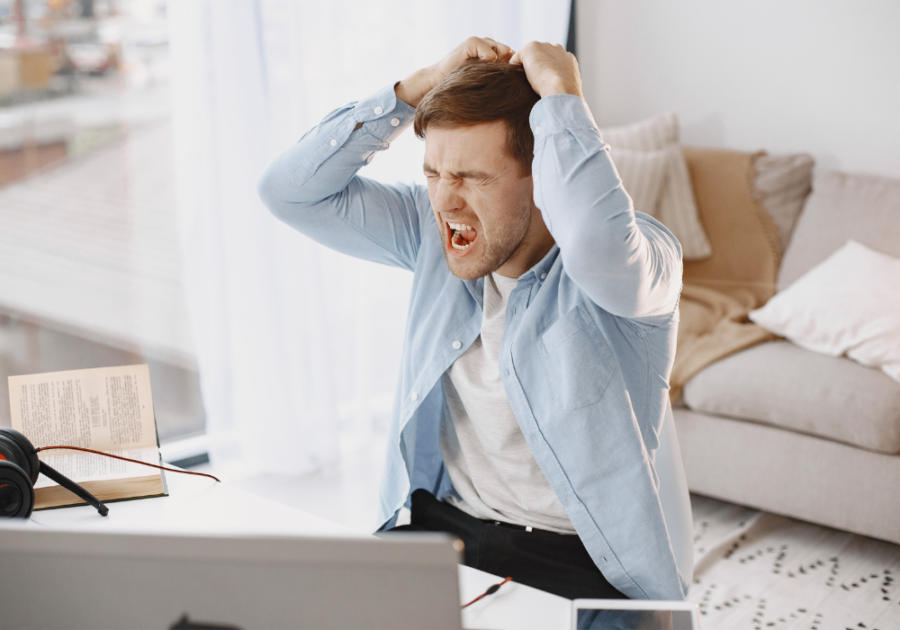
69,579
618,614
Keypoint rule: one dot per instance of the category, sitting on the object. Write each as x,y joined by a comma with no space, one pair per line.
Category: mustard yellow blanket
739,276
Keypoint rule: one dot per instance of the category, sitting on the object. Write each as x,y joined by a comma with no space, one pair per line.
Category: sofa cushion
781,384
864,208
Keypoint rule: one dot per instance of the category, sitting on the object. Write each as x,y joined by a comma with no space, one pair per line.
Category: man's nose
445,199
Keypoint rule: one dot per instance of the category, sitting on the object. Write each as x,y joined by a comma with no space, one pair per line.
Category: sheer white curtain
298,347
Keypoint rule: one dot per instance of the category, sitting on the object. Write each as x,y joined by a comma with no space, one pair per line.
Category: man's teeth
456,236
455,246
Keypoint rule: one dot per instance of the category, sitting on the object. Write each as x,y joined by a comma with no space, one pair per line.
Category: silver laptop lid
65,579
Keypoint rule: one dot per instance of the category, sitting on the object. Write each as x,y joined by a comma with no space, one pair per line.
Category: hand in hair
412,89
549,68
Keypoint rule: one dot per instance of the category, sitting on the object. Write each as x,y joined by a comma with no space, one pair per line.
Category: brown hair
479,92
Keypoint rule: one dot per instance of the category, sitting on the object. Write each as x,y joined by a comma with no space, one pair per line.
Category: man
542,319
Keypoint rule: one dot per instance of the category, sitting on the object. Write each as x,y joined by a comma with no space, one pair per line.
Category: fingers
480,48
549,68
537,49
521,54
487,49
503,51
519,57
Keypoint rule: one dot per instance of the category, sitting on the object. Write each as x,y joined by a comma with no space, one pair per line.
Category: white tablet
633,614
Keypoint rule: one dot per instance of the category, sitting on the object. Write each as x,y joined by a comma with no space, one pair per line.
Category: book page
102,408
81,467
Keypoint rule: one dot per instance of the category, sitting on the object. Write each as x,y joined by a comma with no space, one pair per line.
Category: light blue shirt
590,330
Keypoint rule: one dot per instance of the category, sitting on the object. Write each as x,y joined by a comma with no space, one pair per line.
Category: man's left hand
549,68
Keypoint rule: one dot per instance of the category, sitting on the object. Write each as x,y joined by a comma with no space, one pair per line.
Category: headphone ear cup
22,450
16,492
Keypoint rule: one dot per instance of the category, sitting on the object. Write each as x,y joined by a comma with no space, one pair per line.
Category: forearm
413,88
314,187
324,160
628,264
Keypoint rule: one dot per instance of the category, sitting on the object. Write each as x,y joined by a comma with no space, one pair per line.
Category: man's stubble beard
494,254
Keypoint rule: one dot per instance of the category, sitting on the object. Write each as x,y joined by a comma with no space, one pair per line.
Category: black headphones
19,468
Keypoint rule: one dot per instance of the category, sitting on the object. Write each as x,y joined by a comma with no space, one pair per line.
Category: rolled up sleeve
314,187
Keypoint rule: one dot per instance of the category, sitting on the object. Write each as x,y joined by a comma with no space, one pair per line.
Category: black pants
556,563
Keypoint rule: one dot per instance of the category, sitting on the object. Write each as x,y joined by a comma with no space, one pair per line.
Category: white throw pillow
676,209
847,304
643,174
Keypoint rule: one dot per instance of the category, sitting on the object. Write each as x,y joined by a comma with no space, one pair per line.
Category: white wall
817,76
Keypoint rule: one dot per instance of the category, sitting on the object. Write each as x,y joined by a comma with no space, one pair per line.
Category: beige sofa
789,431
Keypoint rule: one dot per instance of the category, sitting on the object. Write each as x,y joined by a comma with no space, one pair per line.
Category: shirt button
414,396
537,129
515,309
378,110
457,345
333,142
507,371
543,276
395,122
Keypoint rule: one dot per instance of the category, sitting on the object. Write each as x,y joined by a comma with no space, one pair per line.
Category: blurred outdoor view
90,271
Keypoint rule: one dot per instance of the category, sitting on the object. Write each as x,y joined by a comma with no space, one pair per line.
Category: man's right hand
413,89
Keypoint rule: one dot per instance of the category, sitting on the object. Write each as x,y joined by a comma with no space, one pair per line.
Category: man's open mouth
461,236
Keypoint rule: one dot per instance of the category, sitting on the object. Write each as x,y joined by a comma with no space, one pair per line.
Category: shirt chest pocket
578,360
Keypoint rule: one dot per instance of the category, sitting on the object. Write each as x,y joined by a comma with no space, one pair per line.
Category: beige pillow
643,173
676,208
651,134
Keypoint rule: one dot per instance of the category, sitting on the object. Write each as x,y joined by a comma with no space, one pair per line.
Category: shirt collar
476,288
539,271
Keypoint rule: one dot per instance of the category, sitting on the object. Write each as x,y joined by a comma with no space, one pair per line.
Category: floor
759,571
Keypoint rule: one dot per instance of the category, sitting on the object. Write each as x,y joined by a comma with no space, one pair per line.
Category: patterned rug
757,571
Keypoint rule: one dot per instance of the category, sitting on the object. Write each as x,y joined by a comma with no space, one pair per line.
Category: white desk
200,505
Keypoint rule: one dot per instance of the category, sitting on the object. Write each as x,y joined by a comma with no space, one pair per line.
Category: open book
105,409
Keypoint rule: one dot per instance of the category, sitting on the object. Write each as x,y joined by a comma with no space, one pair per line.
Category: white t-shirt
484,450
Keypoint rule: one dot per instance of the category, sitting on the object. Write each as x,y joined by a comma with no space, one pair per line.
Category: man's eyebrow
459,174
